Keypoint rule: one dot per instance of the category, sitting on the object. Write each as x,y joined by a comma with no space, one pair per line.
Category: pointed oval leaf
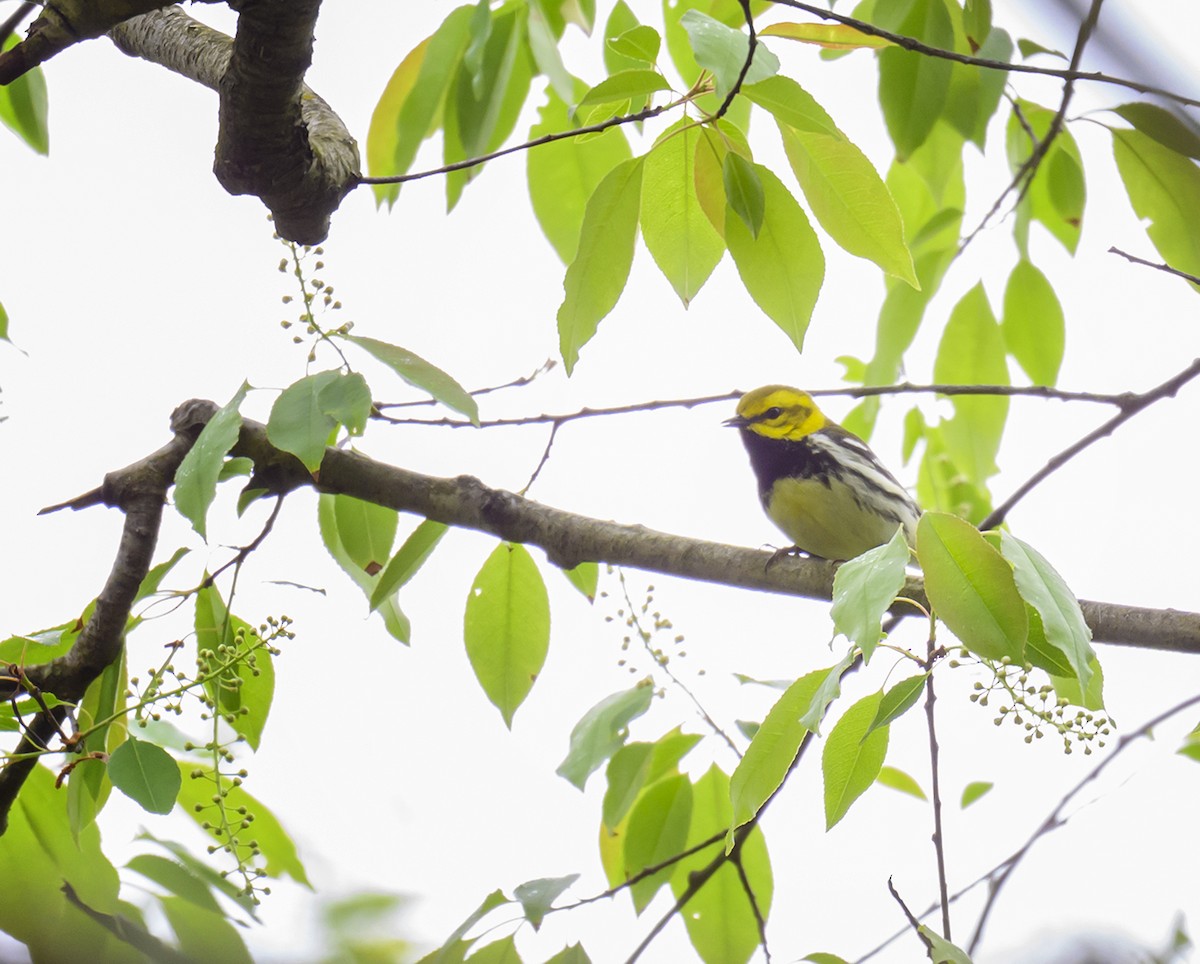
913,87
625,85
146,774
602,731
538,896
24,105
832,36
196,477
366,530
657,829
1034,327
507,627
596,278
347,400
744,191
420,374
901,781
783,267
723,51
851,759
678,235
864,588
899,700
973,791
1163,126
971,587
298,424
640,43
408,559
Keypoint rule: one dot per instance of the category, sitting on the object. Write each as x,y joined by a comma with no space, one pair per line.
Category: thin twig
939,842
1023,179
1133,404
1157,266
244,552
544,367
554,427
911,920
470,162
918,46
759,920
1056,820
859,391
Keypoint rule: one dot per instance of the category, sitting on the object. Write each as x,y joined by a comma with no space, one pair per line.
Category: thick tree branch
278,140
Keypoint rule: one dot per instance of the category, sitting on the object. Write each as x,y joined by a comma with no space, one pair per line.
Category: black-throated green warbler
822,485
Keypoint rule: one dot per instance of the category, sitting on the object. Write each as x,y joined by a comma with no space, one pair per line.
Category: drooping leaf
597,276
196,477
367,531
602,731
772,750
1163,126
851,759
406,112
913,87
1044,589
899,700
783,267
24,105
973,791
639,44
899,780
624,86
1164,189
721,922
678,235
1034,327
420,374
204,934
1057,195
407,560
347,400
538,896
657,829
585,577
971,587
832,36
298,423
563,174
507,627
145,773
864,588
744,191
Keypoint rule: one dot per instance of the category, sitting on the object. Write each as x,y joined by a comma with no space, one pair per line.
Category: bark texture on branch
277,140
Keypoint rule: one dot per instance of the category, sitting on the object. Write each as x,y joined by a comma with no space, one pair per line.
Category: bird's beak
738,421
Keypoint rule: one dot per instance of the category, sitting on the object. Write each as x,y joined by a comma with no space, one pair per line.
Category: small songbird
821,484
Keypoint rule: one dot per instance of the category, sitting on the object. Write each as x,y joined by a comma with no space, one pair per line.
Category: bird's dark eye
772,413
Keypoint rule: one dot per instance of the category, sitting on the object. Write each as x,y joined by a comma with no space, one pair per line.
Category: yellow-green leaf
1034,327
852,759
832,36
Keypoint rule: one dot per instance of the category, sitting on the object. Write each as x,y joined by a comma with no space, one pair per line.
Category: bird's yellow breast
825,520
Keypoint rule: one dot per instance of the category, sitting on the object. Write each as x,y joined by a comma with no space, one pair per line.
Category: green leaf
1164,189
1190,747
277,849
1057,194
175,878
563,174
4,325
196,477
913,87
574,954
585,577
245,688
971,587
783,267
38,855
973,791
863,590
597,276
347,399
771,752
503,951
847,195
407,560
367,531
901,781
620,21
544,47
485,99
406,112
419,373
625,85
203,934
977,22
975,94
972,353
1162,125
678,235
657,829
821,957
640,43
1034,327
146,774
24,105
897,701
851,759
831,36
602,731
636,766
1044,589
723,51
708,166
89,787
394,620
538,896
507,627
298,423
828,691
721,922
941,951
744,191
1090,699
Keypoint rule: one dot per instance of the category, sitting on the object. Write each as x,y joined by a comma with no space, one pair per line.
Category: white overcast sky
133,282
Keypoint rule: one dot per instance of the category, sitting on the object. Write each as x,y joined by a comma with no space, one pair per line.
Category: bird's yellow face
778,412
